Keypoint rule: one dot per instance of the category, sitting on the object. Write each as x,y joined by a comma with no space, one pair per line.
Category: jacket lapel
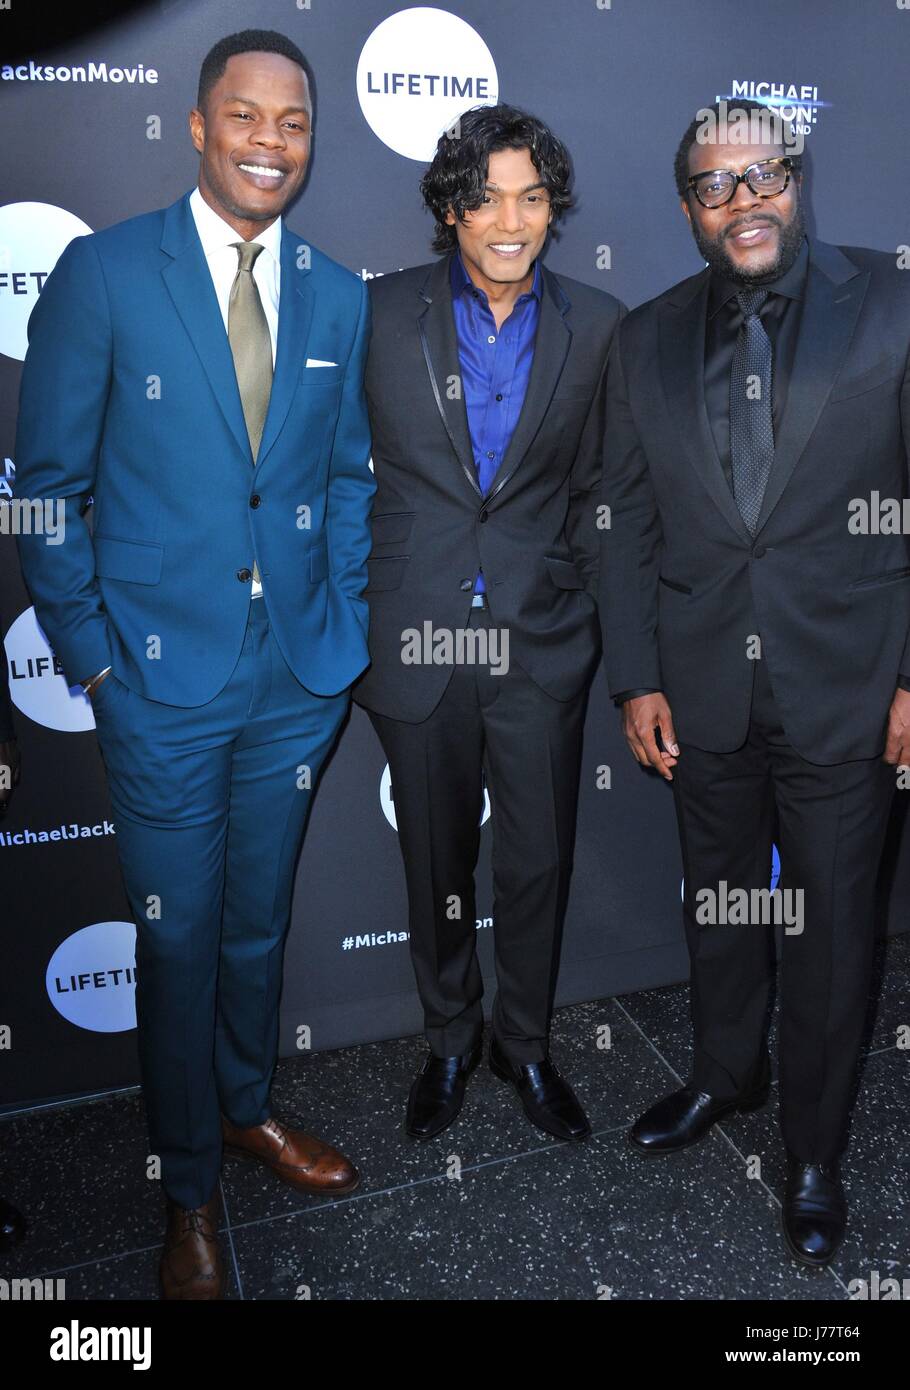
190,286
682,367
835,289
436,327
551,348
295,313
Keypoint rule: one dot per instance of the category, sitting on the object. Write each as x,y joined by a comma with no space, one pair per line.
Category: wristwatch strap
89,685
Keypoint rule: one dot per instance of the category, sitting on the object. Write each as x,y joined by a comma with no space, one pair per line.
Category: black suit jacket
534,534
684,586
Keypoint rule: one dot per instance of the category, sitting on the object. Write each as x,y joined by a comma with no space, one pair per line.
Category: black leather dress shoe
437,1093
814,1211
686,1116
548,1099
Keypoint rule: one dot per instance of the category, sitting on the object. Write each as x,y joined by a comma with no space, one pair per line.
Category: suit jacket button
484,516
244,576
759,552
255,500
465,585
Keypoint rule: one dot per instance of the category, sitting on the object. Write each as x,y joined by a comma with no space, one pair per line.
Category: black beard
788,248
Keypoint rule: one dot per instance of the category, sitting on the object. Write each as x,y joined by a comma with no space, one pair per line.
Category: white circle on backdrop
33,236
87,977
387,801
37,688
407,70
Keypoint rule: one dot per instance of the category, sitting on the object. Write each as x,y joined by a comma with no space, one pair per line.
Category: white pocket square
317,362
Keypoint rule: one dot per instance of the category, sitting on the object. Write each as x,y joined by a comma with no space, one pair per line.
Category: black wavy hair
457,177
681,161
246,41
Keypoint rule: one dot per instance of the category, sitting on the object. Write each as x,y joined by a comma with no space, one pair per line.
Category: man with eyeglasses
756,636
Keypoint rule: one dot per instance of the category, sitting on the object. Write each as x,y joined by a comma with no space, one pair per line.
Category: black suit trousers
831,823
528,745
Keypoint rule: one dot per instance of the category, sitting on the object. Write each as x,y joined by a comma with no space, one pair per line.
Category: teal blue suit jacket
129,397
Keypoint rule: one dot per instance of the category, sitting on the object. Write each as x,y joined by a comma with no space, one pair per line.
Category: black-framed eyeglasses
767,178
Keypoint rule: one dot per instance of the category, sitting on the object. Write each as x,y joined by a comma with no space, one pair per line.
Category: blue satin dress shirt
495,368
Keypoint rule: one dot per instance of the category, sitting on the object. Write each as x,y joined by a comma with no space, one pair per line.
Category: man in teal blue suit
197,372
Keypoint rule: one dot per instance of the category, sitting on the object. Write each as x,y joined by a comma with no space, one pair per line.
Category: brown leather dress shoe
191,1264
297,1158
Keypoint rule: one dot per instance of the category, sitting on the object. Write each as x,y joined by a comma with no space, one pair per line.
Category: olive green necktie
251,344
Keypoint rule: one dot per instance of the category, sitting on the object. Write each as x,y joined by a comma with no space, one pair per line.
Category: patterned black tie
751,419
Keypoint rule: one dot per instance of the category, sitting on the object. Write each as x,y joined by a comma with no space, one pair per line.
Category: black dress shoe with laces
549,1101
686,1116
814,1211
437,1093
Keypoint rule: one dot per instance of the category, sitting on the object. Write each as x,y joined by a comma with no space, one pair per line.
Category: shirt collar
791,284
215,233
460,280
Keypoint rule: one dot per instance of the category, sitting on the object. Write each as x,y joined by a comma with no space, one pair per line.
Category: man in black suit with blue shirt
485,384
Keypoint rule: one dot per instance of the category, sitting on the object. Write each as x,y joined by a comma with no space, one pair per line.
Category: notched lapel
190,286
295,314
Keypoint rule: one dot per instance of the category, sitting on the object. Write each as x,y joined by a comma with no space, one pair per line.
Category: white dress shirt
218,244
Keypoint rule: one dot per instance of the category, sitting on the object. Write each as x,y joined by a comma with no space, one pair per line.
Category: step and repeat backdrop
95,130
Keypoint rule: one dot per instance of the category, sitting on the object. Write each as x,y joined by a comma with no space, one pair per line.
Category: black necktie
751,419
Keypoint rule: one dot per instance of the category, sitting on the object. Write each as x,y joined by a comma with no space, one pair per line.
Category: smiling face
750,239
500,240
254,139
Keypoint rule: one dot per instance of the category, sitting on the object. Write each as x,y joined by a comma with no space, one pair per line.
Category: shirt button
491,339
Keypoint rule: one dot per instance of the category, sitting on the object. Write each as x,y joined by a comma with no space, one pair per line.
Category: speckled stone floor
491,1209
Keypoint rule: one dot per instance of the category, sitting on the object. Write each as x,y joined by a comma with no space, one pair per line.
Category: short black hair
246,41
457,176
734,104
